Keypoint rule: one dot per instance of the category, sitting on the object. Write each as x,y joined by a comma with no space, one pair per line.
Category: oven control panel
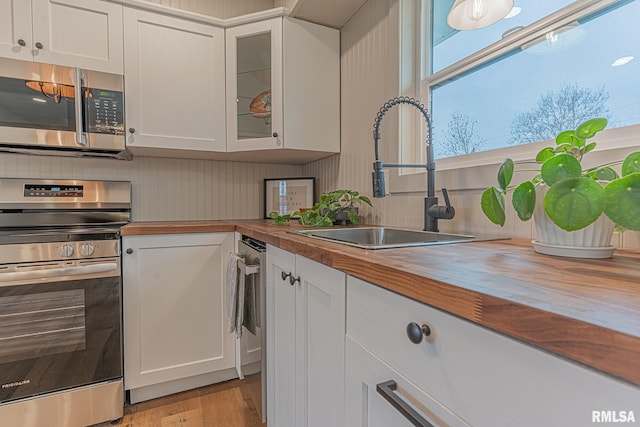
42,190
84,249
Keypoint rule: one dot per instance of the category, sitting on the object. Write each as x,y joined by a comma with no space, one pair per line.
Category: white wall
369,78
165,189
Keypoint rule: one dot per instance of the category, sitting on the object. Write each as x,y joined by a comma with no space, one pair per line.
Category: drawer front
366,406
484,377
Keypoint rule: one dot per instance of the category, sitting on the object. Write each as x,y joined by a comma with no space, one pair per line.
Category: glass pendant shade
473,14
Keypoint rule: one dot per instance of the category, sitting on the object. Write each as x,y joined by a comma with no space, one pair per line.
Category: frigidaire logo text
16,384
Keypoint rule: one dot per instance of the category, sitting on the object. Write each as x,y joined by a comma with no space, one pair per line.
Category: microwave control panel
104,111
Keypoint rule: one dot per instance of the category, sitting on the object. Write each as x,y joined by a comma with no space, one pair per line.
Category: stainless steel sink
384,237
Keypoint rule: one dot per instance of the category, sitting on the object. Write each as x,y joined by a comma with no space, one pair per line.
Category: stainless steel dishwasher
253,337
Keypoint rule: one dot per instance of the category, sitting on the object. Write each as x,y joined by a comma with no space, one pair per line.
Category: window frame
413,180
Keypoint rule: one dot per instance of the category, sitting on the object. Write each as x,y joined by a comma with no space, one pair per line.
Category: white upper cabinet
15,29
76,33
174,83
283,86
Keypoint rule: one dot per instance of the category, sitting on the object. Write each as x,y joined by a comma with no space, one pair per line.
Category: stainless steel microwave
54,107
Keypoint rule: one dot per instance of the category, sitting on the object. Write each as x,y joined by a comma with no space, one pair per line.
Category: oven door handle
57,272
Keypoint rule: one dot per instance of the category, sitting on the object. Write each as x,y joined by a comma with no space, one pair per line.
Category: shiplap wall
218,8
289,4
165,189
368,48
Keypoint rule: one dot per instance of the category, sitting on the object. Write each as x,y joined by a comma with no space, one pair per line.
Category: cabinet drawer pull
416,332
21,42
39,45
293,280
387,389
285,275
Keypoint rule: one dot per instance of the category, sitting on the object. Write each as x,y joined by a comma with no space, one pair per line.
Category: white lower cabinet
305,342
175,327
463,373
379,396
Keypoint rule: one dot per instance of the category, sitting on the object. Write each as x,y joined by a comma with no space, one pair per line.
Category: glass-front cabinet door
254,98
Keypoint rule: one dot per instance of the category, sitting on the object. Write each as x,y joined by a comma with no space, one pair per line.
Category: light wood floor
220,405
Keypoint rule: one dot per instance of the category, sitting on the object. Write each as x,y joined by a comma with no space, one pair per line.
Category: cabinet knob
129,251
39,45
293,280
22,42
132,130
416,332
275,134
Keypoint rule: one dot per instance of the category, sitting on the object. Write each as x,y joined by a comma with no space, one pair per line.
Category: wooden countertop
176,227
584,309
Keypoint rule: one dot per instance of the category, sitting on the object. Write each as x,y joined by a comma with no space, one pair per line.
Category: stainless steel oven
60,301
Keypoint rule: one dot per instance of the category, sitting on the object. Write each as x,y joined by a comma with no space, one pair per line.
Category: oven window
36,105
41,324
58,335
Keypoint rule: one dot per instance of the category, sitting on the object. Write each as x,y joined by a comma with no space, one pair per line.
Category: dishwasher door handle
248,269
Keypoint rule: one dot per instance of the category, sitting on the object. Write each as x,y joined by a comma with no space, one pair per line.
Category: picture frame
287,195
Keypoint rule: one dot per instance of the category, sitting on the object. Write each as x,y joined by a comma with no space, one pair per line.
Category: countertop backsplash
166,189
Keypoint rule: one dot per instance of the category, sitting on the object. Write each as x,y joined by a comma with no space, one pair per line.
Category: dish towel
250,306
234,316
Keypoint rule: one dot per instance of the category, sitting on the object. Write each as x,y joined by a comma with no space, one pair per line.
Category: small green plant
576,197
279,219
324,213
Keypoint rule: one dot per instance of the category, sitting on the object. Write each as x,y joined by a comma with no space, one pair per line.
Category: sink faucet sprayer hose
432,212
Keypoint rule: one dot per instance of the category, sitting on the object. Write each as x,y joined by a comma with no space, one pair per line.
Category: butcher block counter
587,310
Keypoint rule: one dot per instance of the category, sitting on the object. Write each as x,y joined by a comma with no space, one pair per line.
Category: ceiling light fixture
52,90
556,40
473,14
622,61
515,11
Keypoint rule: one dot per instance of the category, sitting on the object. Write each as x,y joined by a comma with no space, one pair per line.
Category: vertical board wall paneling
166,189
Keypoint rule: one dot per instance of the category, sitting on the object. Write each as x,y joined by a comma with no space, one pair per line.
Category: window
548,66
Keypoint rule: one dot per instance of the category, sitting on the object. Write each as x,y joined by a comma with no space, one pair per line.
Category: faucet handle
442,212
447,203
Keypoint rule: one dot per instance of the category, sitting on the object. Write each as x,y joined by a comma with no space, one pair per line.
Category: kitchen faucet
432,212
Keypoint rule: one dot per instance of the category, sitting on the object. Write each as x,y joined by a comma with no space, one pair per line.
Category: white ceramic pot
593,241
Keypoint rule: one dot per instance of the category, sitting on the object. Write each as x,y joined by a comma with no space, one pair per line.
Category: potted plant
335,207
568,202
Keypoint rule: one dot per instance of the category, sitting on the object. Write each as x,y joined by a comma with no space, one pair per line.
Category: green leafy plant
279,219
576,197
332,204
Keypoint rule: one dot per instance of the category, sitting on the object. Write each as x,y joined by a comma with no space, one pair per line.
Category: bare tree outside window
557,112
461,136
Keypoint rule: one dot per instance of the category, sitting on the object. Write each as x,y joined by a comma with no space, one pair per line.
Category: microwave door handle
80,135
